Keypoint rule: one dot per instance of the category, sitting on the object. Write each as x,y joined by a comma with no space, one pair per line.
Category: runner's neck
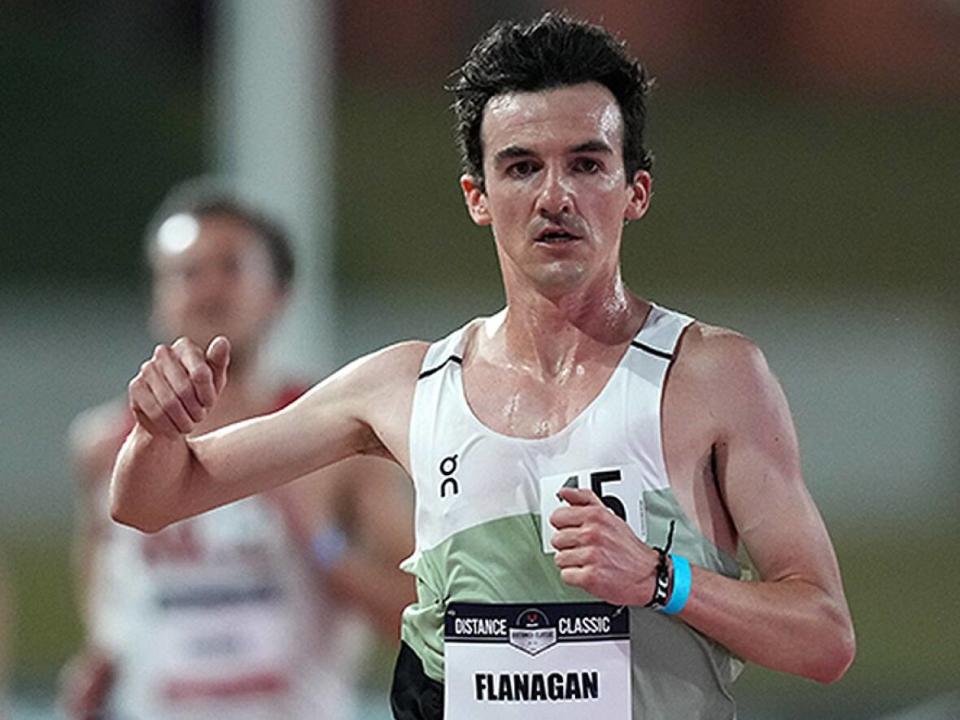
548,337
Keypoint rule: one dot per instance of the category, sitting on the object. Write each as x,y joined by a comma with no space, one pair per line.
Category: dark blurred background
805,193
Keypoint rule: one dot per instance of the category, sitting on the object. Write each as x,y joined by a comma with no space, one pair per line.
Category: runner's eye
521,169
231,266
186,273
586,165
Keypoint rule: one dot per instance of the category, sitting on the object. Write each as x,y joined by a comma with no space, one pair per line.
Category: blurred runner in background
253,610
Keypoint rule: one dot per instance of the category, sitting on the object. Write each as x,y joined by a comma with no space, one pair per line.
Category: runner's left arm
795,618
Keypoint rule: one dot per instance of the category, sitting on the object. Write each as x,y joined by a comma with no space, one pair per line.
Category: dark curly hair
552,51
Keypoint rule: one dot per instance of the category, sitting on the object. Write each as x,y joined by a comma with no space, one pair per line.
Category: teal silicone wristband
681,585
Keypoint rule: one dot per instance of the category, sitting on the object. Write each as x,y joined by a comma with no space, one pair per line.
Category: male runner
249,611
523,431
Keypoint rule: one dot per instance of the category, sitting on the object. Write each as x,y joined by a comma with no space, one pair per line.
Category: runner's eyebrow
593,146
511,152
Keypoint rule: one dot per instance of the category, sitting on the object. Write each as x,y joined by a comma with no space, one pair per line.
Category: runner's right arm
163,475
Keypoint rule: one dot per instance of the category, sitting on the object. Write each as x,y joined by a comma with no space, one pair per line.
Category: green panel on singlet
501,561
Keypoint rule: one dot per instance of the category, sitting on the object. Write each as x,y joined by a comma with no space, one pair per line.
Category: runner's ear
476,200
638,200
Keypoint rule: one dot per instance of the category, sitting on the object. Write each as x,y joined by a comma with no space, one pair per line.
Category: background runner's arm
358,522
94,439
86,679
378,515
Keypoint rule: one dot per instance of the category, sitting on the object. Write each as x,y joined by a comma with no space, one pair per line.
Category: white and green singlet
480,552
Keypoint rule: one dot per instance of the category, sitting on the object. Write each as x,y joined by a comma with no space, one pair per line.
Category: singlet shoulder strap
661,332
443,352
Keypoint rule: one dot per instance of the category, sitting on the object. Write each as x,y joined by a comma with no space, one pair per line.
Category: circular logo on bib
532,632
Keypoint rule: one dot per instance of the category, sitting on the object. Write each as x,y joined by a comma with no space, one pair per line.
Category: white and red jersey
222,616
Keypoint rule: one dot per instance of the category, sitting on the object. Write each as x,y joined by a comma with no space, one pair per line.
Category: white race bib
204,638
547,661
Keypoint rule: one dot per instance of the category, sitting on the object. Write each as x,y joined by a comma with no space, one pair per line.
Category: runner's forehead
572,116
184,238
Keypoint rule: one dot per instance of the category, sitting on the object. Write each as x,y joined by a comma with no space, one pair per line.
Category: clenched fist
599,553
176,388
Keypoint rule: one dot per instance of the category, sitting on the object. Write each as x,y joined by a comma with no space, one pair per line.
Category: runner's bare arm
795,619
85,680
94,438
378,510
356,519
162,475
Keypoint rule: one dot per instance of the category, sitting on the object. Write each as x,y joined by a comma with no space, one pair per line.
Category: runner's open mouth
551,237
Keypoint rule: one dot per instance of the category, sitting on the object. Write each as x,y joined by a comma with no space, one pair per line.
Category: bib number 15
620,489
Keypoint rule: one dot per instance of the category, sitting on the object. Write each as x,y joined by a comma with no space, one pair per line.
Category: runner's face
213,276
556,194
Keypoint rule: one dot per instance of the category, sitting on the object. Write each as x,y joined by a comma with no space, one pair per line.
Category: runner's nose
556,194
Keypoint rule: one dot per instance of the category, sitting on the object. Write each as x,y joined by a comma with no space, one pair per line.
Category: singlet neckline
585,411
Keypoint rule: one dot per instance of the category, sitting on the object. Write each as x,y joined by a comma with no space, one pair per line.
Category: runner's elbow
127,512
843,659
836,655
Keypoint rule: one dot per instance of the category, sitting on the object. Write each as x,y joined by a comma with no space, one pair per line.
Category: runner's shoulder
720,357
391,367
406,355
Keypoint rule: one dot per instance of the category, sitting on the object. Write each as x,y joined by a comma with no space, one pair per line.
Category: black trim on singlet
431,371
652,350
414,695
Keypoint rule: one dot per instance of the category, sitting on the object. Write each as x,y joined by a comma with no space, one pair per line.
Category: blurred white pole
273,89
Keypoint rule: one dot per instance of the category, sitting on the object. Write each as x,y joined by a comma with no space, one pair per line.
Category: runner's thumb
218,358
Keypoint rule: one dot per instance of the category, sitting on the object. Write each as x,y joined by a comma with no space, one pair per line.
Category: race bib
547,661
620,489
203,637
